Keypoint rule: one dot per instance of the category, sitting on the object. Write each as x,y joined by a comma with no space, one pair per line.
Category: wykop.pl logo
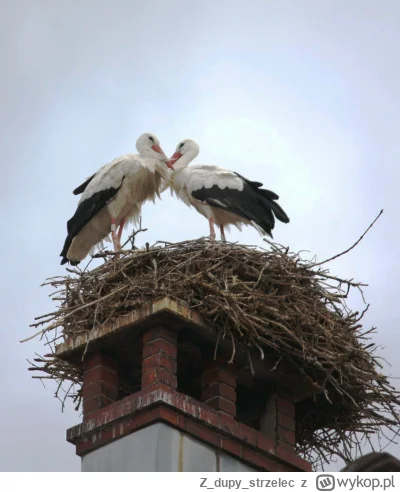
325,482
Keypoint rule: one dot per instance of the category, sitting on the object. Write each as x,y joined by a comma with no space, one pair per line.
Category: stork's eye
152,139
181,145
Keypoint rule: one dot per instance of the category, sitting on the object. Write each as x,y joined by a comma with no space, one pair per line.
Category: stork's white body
224,197
112,198
183,182
138,180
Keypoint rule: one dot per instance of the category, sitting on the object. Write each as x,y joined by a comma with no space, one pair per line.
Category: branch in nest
354,245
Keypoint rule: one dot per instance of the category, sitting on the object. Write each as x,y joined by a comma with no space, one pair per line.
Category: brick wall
100,382
211,420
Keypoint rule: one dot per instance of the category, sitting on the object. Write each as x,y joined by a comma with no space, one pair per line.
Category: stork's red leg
212,230
221,227
114,236
121,226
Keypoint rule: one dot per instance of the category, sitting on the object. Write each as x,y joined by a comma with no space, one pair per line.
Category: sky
302,95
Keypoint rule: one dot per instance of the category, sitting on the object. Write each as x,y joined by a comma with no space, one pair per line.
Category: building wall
160,448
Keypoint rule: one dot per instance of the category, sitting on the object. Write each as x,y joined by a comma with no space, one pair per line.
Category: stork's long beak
173,159
158,149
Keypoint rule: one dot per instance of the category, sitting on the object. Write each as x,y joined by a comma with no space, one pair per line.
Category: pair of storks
114,195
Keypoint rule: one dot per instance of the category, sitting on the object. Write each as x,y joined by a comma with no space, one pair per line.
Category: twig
353,246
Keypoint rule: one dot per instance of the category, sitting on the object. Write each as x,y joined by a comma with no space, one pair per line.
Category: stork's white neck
185,160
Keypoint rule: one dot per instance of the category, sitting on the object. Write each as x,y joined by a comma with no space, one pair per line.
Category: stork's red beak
173,159
158,149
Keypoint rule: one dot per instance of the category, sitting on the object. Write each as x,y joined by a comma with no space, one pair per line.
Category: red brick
219,375
172,417
128,404
100,373
149,389
159,332
306,465
266,443
218,389
203,433
286,436
95,403
287,453
159,360
210,416
231,446
221,403
157,346
286,421
247,434
285,447
99,388
142,419
193,407
166,377
285,407
132,397
179,400
159,375
96,415
122,428
83,447
210,391
228,424
99,359
260,461
227,391
107,435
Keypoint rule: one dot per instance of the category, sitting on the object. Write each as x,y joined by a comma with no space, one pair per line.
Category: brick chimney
158,396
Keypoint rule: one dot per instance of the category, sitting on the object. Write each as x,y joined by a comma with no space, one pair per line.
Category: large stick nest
269,299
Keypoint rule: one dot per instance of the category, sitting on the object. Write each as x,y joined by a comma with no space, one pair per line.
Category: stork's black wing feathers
257,186
81,188
252,203
84,213
253,184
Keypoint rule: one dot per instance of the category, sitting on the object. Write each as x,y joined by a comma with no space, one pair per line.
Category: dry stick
54,325
354,245
90,334
133,235
230,361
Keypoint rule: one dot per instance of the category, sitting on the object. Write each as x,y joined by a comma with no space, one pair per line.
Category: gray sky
300,95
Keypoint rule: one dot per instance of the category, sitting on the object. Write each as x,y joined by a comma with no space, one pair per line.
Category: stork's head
148,145
185,152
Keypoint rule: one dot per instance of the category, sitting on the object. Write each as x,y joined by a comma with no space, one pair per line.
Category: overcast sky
301,95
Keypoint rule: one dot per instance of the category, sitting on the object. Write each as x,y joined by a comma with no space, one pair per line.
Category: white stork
224,197
113,197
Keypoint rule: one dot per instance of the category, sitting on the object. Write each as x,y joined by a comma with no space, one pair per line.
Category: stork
114,196
224,197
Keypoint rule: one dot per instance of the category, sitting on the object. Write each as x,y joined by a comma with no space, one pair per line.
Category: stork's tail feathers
71,262
280,214
64,252
268,202
271,209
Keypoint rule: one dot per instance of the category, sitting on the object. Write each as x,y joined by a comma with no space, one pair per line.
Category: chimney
160,394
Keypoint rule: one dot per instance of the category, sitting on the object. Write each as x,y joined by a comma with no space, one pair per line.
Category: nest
270,299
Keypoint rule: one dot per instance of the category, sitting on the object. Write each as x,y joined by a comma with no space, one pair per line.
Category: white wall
160,448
